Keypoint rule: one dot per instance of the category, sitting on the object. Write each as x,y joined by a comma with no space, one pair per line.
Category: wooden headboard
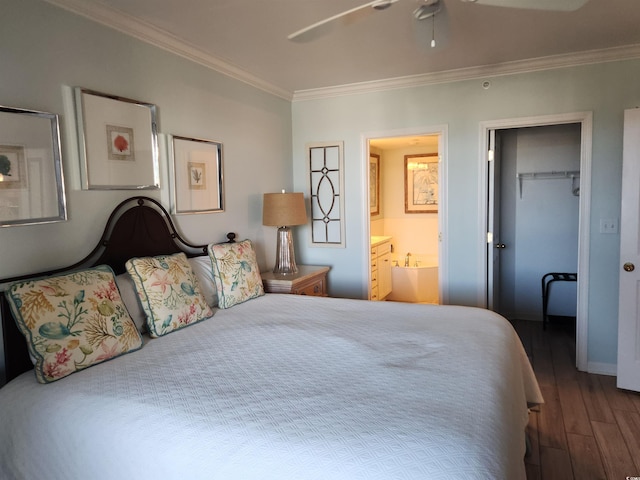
137,227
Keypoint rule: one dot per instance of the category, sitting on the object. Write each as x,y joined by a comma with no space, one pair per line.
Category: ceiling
247,39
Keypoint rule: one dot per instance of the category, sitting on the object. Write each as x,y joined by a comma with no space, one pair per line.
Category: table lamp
284,210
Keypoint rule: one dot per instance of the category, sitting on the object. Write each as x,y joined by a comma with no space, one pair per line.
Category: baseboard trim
602,368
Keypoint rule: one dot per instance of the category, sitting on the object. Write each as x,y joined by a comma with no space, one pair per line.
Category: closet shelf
571,174
547,175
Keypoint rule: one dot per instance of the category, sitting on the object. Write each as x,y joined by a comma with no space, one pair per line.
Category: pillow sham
236,272
168,291
72,321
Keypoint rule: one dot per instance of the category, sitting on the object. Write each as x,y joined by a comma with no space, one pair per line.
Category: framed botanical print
118,142
421,183
196,175
374,183
31,180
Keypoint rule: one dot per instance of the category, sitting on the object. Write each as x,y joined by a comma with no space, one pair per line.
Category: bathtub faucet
406,260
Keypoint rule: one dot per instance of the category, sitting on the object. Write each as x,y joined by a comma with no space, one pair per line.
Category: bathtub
415,284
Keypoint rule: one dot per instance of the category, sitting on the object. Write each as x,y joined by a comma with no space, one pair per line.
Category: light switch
608,225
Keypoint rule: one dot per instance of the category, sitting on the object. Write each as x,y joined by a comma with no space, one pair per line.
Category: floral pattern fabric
236,272
72,321
168,291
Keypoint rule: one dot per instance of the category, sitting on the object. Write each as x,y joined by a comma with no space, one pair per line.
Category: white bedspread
287,387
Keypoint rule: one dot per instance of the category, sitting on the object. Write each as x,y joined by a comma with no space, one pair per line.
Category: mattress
287,387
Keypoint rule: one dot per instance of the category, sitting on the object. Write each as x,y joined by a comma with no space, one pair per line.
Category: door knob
629,267
500,245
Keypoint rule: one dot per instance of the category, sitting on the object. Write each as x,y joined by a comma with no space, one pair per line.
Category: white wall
605,89
44,48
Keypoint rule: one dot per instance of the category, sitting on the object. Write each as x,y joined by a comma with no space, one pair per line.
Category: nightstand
309,280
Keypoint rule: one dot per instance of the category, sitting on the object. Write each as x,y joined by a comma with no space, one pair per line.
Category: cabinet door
384,275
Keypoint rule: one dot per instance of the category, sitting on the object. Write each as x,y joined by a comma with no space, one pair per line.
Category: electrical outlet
608,225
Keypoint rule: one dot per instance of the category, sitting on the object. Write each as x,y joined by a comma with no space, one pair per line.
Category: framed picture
374,183
118,142
31,180
196,175
421,183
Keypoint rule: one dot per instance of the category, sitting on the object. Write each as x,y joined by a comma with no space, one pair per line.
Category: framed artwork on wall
421,183
118,142
374,183
196,175
31,180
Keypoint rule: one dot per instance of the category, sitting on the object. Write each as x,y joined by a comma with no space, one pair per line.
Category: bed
273,387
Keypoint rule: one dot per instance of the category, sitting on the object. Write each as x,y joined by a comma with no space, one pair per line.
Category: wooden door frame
585,119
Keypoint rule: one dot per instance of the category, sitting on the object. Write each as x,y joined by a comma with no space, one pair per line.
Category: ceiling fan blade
378,4
557,5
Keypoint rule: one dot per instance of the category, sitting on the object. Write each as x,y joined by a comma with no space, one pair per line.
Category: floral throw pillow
236,272
72,321
168,291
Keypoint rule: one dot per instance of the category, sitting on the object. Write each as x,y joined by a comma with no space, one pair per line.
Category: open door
494,246
629,300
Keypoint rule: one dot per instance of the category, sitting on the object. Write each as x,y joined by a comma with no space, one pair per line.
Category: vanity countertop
378,239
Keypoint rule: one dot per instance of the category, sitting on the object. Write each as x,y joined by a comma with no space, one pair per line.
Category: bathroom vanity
380,267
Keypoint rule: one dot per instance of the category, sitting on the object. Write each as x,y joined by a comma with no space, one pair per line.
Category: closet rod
552,174
572,174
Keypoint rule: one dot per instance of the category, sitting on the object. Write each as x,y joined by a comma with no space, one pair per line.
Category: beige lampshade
283,209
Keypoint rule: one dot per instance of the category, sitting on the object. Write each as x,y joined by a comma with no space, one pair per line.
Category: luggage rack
547,280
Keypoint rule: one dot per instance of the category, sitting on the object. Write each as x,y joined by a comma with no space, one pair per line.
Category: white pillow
131,301
201,266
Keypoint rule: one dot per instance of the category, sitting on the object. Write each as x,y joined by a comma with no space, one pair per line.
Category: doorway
415,231
536,203
576,184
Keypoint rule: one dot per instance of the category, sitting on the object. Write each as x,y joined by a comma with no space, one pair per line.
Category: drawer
384,248
317,288
374,293
374,252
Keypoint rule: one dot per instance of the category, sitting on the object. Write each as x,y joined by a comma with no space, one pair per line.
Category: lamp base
285,256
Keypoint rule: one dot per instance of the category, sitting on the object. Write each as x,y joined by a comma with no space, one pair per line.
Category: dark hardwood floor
587,428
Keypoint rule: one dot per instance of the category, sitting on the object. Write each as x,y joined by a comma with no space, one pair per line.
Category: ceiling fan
429,8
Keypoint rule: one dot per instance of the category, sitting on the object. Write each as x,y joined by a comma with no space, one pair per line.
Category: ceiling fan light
382,4
427,10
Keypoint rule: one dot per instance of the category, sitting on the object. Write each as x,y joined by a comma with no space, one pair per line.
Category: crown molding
627,52
148,33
